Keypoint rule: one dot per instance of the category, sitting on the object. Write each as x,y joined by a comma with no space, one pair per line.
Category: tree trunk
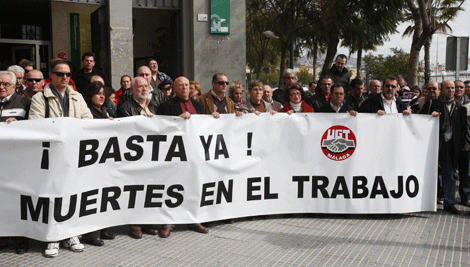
427,61
315,51
330,53
359,63
414,63
282,64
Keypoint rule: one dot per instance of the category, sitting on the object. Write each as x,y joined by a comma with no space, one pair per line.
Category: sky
460,27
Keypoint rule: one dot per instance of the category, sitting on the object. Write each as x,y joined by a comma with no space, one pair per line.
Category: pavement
416,239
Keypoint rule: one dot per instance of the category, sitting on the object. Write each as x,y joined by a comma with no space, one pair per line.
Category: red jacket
305,107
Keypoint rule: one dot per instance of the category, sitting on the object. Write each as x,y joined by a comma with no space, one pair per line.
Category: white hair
13,76
289,71
16,68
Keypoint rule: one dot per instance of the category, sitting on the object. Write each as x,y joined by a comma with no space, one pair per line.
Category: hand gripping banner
64,177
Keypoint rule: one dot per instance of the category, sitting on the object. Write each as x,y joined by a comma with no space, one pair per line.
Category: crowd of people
86,94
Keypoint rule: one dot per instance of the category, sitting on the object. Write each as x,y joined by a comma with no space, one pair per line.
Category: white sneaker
74,244
52,250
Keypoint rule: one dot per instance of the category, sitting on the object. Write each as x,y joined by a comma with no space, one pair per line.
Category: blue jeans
447,173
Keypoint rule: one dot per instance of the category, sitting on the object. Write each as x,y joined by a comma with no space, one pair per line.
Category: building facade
188,38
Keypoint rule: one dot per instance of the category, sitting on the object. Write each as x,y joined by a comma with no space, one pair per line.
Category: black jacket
355,103
328,109
375,103
459,127
17,107
278,95
317,101
82,79
339,77
172,107
132,108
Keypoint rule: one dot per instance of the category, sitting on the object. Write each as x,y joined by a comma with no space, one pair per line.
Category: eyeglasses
221,83
5,84
61,74
295,94
390,86
34,80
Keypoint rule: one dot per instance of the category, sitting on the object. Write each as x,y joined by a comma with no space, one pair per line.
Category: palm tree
361,35
429,17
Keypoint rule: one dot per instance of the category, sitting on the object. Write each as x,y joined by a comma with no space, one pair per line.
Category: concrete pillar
121,43
213,53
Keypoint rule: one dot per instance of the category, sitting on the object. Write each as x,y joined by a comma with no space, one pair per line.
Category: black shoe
107,235
96,242
452,210
208,224
22,248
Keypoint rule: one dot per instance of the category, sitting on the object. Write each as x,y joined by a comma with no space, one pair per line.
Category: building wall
60,17
121,40
213,53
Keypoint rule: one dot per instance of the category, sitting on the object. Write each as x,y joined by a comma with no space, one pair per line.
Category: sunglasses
390,86
221,83
34,80
61,74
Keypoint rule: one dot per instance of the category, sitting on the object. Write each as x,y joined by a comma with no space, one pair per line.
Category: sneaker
74,244
52,250
440,201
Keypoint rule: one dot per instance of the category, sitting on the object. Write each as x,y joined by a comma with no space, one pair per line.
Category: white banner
64,177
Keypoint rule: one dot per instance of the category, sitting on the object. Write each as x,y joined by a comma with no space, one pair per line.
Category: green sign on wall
220,16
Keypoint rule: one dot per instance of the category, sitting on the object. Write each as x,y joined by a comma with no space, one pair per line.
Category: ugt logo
338,143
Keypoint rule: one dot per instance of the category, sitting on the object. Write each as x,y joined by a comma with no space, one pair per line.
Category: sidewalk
418,239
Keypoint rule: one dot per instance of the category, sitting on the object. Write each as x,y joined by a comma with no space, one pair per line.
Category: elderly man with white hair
19,73
12,105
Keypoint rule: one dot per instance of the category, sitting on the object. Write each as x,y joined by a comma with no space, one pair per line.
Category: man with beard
139,103
452,129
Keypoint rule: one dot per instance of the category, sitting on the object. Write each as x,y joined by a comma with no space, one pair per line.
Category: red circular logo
338,143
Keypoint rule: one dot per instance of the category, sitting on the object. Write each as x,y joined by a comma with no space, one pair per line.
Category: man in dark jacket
339,73
288,78
385,102
356,98
82,77
13,106
452,129
139,103
183,106
336,103
321,98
